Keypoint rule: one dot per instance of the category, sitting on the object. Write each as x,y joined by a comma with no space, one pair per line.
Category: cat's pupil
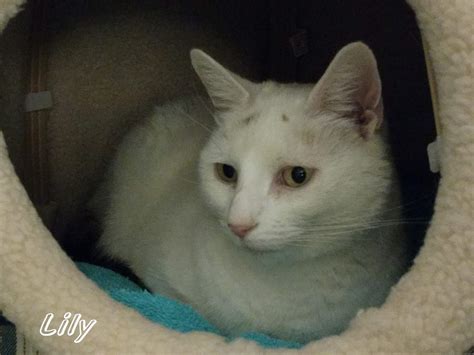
298,174
228,171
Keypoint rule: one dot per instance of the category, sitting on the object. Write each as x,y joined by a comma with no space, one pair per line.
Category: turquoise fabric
165,311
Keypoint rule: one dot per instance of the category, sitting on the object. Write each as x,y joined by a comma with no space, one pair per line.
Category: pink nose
241,230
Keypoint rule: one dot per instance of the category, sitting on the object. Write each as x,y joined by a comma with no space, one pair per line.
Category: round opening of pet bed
97,69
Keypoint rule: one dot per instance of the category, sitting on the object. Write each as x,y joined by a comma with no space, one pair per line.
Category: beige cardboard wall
109,66
111,61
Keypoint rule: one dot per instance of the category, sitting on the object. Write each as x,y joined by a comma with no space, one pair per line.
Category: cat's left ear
226,89
351,88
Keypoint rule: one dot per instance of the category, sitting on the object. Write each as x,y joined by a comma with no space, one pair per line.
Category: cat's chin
284,251
259,247
275,254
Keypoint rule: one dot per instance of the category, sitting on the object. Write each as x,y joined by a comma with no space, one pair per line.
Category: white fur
319,252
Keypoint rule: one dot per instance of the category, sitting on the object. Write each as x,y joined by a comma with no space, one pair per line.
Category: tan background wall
390,29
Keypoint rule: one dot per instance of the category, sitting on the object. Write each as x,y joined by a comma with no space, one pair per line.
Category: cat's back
155,163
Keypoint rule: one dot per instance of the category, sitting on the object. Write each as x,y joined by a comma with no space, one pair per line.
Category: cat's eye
226,172
296,176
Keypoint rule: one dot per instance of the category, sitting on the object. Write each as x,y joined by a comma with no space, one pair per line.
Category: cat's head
296,165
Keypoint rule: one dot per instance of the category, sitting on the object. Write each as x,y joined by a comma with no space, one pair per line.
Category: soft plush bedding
163,310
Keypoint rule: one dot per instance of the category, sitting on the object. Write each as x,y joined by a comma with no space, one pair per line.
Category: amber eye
296,176
226,173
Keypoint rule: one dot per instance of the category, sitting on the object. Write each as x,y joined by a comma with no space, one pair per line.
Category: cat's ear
226,89
351,88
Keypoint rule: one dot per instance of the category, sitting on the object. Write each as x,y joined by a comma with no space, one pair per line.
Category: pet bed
431,309
163,310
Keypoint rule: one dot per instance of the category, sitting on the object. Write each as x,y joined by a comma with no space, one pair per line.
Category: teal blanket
170,313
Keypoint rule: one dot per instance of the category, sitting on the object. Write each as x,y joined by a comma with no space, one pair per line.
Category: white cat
280,216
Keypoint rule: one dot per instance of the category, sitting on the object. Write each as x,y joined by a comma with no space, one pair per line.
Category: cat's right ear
351,88
226,89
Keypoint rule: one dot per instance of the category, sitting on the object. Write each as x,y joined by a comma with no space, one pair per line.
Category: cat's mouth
253,241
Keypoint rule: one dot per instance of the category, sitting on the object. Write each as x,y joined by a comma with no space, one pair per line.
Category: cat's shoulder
182,112
182,120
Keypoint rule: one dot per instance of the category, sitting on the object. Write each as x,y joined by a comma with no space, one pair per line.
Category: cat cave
76,75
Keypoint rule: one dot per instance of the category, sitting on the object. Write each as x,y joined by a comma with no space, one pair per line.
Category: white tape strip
36,101
433,155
